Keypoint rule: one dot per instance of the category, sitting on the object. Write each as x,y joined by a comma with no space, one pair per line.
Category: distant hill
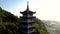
52,26
10,24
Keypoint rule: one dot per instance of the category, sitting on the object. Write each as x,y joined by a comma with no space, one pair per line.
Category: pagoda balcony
29,31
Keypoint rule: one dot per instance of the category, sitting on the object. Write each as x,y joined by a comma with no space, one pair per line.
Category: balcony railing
29,26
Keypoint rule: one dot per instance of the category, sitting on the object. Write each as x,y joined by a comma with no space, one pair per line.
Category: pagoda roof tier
27,16
27,20
26,23
27,12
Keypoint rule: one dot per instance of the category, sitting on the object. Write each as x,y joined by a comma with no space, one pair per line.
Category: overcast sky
45,9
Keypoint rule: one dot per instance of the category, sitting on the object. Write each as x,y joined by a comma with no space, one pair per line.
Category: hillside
40,26
10,24
7,16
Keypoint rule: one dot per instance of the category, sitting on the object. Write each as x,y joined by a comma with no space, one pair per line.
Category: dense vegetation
10,24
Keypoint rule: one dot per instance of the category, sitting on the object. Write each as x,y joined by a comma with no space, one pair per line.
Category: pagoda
27,22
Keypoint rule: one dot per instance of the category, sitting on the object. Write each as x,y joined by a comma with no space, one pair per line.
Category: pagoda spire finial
27,5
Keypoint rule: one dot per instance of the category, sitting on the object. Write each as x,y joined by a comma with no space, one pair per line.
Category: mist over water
53,27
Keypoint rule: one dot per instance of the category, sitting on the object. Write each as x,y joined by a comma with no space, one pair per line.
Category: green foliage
8,28
7,16
40,30
10,24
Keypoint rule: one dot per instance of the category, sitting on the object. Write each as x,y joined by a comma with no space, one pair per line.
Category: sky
45,9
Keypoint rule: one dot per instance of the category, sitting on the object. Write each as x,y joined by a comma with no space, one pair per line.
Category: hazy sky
45,9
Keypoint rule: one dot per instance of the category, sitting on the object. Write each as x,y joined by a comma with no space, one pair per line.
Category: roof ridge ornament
27,5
